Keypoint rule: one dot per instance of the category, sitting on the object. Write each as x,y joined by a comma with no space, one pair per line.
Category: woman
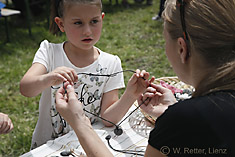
200,45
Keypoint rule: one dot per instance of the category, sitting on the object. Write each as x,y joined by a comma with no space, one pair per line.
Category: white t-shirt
90,89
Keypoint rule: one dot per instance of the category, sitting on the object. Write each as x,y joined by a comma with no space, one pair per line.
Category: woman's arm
152,152
72,110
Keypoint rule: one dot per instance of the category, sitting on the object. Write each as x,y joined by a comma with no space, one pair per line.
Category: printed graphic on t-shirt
89,91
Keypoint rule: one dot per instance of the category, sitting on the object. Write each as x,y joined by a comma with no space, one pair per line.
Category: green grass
127,32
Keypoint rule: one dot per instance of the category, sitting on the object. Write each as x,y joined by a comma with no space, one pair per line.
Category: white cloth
89,89
136,130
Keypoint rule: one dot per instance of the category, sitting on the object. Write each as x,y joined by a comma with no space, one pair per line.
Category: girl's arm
34,82
37,79
113,109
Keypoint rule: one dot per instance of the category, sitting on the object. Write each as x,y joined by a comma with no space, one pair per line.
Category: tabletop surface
136,130
8,12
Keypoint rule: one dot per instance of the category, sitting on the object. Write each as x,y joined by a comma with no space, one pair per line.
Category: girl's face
82,24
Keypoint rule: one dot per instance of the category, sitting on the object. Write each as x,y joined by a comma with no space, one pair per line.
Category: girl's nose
87,30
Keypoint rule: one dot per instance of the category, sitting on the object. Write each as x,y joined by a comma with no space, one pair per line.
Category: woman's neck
199,71
80,57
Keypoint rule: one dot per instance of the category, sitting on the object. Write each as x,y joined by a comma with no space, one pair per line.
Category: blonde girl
72,61
200,45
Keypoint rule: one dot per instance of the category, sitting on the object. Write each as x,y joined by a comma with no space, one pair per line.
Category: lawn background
129,33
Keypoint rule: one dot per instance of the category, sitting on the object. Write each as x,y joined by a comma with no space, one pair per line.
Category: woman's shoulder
214,98
197,121
191,108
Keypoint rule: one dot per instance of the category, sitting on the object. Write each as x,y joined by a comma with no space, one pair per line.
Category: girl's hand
138,83
69,106
62,74
5,124
158,100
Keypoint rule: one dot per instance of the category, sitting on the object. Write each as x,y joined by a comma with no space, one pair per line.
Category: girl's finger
137,72
133,79
75,76
152,79
58,78
142,73
67,76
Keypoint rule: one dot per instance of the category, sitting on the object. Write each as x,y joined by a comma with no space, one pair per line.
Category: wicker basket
173,81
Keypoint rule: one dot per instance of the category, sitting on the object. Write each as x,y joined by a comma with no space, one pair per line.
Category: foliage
127,32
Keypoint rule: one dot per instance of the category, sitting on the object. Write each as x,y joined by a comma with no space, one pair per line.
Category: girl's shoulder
110,57
46,44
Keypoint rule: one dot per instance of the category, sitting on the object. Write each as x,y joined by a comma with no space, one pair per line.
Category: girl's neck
80,57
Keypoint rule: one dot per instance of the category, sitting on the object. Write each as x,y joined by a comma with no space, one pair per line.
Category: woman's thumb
70,92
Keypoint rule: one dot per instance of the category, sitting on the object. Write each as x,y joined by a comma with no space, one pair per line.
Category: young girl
200,45
72,61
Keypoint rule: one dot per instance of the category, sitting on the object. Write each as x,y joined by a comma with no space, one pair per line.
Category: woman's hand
72,111
138,83
158,100
62,74
69,106
5,124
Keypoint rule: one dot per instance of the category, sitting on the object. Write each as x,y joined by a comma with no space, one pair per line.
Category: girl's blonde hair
59,6
210,25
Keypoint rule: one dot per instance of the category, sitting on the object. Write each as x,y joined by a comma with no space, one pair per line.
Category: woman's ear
103,15
59,23
182,50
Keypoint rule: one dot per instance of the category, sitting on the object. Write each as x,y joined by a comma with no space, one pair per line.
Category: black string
133,111
106,75
122,120
133,152
99,117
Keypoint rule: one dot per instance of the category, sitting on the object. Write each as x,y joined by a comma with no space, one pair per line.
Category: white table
9,12
135,137
5,13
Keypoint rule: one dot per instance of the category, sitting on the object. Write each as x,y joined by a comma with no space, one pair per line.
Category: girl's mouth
87,40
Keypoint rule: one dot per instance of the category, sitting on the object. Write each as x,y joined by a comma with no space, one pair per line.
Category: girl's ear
182,50
59,23
103,15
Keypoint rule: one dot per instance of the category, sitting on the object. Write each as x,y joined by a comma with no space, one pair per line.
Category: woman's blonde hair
59,6
210,25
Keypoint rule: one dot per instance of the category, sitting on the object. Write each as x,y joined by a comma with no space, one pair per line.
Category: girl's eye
94,21
78,23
